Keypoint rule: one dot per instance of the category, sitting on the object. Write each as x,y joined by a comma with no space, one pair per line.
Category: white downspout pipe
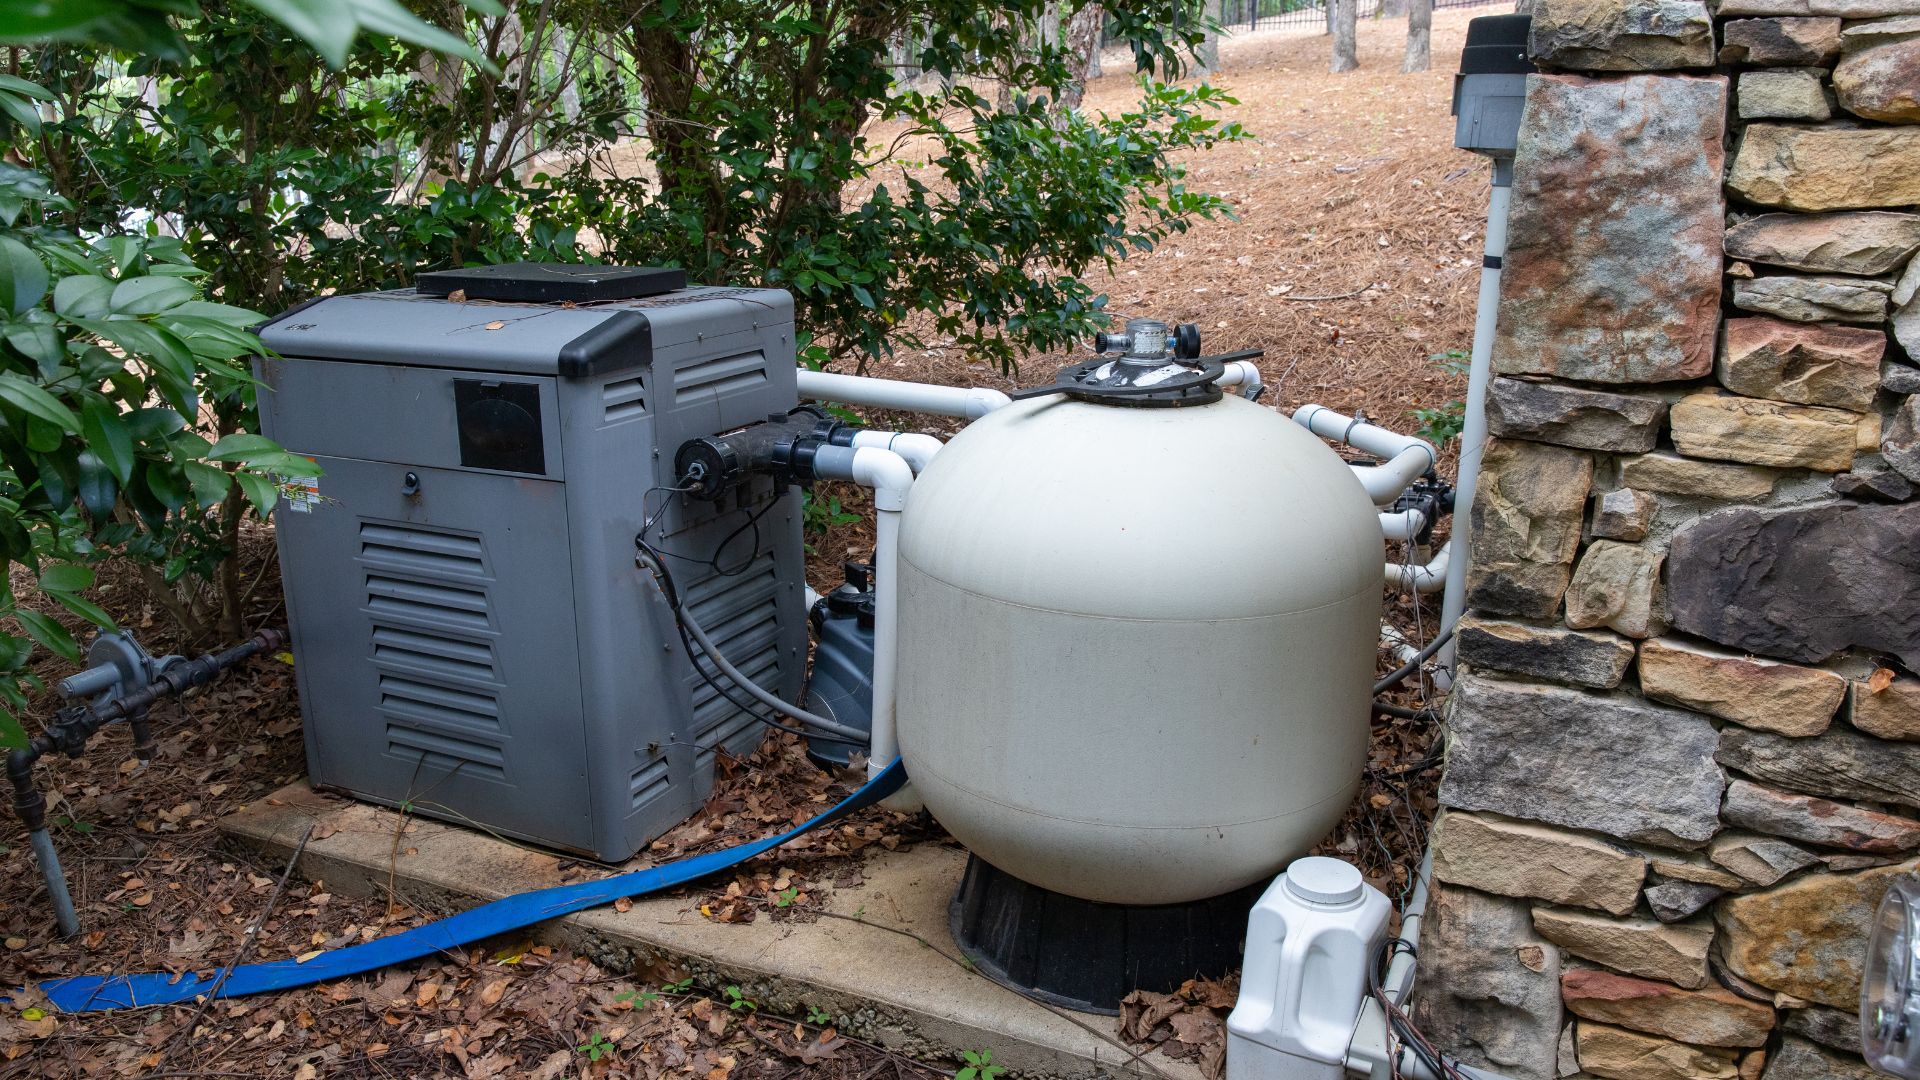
1473,431
969,402
917,449
1423,579
1403,457
890,477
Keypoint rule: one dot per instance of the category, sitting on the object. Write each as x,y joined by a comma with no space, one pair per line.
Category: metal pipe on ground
74,726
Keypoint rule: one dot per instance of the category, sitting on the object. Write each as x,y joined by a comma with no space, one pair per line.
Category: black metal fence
1241,16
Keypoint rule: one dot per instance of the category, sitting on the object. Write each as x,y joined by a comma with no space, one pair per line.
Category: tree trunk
1206,59
1345,46
1419,36
1082,42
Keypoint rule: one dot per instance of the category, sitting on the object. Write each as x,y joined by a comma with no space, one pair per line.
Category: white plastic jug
1310,941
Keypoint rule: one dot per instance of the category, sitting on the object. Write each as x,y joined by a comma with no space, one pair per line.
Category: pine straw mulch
1349,190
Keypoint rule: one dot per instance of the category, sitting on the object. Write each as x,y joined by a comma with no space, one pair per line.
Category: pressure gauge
1890,993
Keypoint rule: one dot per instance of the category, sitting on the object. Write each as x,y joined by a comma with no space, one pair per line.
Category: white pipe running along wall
1403,457
1369,1052
969,402
1473,431
890,477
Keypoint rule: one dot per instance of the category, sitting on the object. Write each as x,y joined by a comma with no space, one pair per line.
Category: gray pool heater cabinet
472,637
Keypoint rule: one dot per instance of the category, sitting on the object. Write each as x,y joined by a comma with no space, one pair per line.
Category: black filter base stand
1083,955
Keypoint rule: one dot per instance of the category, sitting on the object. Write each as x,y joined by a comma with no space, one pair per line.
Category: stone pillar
1684,753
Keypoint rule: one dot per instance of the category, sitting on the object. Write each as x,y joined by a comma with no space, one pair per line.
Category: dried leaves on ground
1349,190
1189,1024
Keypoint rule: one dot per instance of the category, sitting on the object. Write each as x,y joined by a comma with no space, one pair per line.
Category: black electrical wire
752,553
1399,1023
1399,676
670,590
1386,708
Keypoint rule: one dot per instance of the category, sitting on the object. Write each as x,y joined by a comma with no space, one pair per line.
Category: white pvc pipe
1403,457
1243,374
917,449
1425,579
969,402
1473,431
1406,652
1402,524
890,477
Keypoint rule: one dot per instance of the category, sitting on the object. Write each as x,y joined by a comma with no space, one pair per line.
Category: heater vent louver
624,399
649,782
427,552
741,614
437,677
723,377
434,655
439,755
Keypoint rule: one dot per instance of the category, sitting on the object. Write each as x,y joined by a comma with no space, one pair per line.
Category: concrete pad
879,984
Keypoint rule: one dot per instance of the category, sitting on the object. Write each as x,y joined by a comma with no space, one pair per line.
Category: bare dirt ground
1354,259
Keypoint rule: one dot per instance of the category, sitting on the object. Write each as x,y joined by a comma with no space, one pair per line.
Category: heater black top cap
1497,45
552,283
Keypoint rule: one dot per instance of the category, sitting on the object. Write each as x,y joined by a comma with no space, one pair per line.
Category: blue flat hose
97,993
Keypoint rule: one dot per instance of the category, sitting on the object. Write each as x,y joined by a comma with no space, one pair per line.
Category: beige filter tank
1137,644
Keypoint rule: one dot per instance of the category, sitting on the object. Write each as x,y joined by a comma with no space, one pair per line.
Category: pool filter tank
1137,637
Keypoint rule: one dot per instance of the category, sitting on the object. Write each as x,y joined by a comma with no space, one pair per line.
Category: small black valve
1186,341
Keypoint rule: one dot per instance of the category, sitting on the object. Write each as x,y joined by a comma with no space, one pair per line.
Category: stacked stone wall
1684,754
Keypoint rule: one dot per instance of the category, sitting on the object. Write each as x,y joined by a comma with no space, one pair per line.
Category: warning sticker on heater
300,494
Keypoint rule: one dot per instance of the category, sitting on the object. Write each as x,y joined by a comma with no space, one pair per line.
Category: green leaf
23,277
148,425
23,87
44,436
44,630
261,492
243,447
40,342
156,345
330,26
150,295
107,436
86,609
125,251
210,485
12,735
98,490
167,485
21,111
34,400
66,577
236,317
82,296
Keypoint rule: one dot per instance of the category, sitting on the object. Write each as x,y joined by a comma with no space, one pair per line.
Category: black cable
753,521
1399,676
671,592
1385,708
1398,1021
